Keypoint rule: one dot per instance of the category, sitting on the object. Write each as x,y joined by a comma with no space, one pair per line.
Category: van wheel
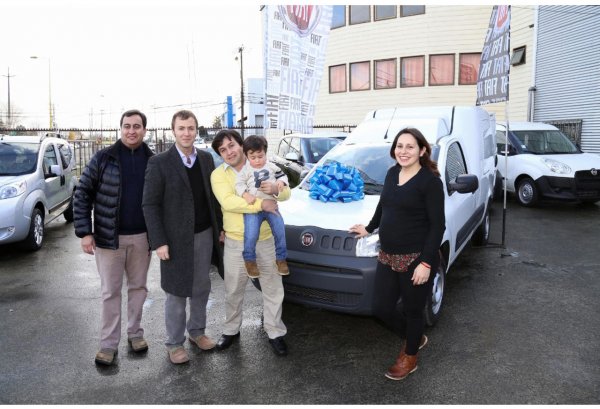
482,233
433,306
68,213
527,193
35,238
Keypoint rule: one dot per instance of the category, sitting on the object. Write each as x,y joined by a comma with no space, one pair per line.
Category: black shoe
279,346
226,340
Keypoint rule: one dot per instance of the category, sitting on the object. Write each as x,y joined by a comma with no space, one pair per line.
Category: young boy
256,170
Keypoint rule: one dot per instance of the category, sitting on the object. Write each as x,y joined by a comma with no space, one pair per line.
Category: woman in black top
410,218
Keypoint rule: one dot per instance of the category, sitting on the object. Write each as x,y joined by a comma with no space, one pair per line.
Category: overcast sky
114,55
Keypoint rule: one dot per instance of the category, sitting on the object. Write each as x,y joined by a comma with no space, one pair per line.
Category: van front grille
325,296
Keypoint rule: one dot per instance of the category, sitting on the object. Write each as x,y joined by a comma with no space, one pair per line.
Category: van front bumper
337,283
584,186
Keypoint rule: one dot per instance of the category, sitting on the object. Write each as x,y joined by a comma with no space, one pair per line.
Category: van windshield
372,162
545,142
17,158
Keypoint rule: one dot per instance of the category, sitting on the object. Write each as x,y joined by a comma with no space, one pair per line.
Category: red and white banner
295,44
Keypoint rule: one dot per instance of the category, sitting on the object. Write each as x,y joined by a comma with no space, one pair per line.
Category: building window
360,76
412,71
441,69
384,12
518,56
339,17
406,11
469,68
385,74
360,14
337,78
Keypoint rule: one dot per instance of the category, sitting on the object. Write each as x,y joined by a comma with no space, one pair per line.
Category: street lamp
51,119
241,51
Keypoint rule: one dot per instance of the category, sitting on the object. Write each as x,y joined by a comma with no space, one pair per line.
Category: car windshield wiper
372,188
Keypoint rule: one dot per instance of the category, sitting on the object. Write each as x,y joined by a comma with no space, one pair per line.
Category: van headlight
556,166
13,189
368,246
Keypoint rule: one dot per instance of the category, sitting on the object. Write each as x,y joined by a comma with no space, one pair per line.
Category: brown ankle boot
405,365
252,269
282,267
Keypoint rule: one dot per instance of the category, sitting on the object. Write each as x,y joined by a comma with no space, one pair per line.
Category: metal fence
570,127
87,142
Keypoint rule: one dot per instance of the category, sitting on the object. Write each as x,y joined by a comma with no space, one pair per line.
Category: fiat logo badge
594,172
307,239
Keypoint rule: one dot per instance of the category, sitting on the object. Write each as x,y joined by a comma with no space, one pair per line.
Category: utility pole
8,116
241,51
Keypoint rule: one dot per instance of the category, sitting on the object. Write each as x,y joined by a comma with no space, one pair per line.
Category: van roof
383,125
526,126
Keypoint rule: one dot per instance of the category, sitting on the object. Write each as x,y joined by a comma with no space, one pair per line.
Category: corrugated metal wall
568,69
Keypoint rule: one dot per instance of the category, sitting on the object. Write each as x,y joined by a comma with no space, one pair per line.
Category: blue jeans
252,222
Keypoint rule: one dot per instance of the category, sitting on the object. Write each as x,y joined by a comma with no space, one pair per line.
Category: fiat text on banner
295,44
494,68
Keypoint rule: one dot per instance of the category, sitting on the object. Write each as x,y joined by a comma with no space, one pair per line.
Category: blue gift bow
334,182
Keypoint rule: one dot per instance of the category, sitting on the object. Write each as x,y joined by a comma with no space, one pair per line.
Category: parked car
207,148
297,153
543,163
333,270
37,182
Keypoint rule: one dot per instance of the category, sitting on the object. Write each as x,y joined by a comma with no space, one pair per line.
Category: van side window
500,141
455,162
295,147
65,154
49,158
284,147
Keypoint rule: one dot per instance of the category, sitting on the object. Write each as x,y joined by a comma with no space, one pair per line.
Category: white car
542,163
37,182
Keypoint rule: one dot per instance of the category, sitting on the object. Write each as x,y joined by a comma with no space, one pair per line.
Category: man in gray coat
184,222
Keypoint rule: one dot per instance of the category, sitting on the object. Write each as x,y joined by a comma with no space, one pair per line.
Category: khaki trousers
131,260
236,280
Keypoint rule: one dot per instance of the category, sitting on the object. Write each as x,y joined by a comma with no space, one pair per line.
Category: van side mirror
293,156
55,170
463,184
511,150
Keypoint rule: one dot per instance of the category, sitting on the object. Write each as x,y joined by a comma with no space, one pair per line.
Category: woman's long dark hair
424,160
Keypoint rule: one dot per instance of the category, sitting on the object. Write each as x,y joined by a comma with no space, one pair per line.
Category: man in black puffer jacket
111,186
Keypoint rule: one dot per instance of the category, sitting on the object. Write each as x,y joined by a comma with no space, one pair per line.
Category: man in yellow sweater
228,143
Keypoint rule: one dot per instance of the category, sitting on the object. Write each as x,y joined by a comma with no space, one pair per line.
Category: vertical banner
494,67
295,44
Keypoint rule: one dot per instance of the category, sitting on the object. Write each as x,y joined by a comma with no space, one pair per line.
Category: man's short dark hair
183,115
255,143
230,134
133,112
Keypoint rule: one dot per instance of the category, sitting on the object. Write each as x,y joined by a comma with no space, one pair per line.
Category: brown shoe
203,342
178,355
404,366
106,356
138,344
252,269
282,267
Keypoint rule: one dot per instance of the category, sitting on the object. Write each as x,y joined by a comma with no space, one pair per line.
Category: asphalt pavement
520,325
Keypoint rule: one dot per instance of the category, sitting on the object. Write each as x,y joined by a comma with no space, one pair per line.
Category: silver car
37,182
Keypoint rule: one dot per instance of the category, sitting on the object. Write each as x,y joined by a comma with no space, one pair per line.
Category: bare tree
14,119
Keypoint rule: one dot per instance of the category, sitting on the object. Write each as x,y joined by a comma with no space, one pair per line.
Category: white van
333,270
542,163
